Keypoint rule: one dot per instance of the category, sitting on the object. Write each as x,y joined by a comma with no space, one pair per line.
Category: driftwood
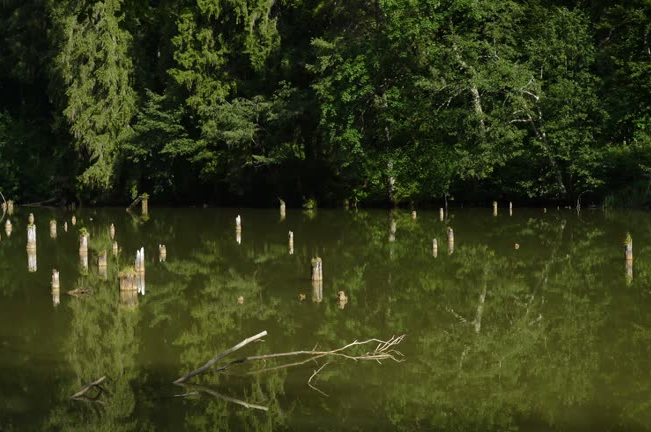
204,389
385,350
83,393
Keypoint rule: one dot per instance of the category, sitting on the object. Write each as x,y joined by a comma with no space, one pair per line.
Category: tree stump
53,229
317,269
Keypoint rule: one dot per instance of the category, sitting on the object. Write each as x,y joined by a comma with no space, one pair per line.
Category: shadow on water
551,334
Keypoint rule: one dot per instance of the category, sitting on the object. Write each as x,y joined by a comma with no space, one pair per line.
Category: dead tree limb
316,372
207,366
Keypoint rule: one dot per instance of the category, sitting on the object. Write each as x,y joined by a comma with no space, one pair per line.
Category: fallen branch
385,350
207,366
40,203
83,393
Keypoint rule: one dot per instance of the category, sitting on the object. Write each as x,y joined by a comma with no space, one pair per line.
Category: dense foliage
383,101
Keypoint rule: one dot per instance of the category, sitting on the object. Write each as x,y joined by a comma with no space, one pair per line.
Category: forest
378,102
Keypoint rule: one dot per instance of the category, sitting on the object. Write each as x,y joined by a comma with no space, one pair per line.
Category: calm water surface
552,336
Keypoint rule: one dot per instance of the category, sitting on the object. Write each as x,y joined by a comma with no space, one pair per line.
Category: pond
552,335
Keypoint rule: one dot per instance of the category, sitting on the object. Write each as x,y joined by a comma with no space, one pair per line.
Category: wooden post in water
291,242
53,229
282,210
441,214
10,207
450,241
74,220
317,291
128,288
544,209
393,227
494,208
628,254
102,265
510,208
31,248
56,292
30,218
65,226
112,231
31,236
435,248
83,250
238,229
414,215
115,248
8,228
140,270
55,280
317,269
162,253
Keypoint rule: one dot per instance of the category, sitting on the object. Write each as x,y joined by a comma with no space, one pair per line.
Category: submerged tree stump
317,269
31,236
282,209
102,264
128,280
450,241
55,279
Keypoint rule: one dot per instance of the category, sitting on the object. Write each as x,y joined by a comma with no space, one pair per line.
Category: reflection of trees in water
102,340
495,336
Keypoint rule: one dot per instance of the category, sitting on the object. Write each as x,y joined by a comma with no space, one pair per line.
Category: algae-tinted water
552,336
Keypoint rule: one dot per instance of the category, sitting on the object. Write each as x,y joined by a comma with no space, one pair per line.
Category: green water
552,336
